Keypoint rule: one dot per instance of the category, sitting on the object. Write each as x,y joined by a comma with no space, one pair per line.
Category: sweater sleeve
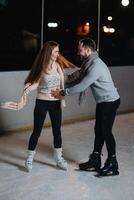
28,87
91,76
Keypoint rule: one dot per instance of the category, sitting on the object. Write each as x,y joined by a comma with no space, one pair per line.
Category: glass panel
66,22
20,22
117,32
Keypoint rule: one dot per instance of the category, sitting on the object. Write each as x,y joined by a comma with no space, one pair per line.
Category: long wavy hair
42,61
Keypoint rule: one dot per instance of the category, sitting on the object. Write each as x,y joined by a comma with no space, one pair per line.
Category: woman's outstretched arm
22,101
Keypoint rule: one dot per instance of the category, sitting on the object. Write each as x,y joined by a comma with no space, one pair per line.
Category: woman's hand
13,105
9,105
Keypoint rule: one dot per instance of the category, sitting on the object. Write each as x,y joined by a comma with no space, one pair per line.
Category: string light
125,2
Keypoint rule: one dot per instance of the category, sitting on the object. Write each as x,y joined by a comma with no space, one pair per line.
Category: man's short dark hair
88,43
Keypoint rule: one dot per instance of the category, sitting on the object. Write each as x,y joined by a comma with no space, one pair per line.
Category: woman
46,74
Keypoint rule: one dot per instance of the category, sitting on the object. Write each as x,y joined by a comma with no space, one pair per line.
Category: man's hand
56,94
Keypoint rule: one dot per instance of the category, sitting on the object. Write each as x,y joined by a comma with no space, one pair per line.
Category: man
95,73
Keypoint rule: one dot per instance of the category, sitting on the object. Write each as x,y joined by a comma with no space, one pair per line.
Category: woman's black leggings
105,116
40,112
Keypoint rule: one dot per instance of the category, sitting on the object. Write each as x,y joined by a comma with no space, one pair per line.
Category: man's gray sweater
95,73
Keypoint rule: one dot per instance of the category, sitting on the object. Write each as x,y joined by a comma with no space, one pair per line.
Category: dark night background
20,30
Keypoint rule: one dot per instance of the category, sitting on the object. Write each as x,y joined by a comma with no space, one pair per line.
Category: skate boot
58,157
93,164
110,167
29,160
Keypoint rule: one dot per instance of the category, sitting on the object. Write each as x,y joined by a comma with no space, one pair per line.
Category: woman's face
55,53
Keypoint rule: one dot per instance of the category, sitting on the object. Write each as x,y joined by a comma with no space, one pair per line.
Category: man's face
82,51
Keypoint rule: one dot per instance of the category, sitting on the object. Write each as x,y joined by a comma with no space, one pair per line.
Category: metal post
42,23
98,36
